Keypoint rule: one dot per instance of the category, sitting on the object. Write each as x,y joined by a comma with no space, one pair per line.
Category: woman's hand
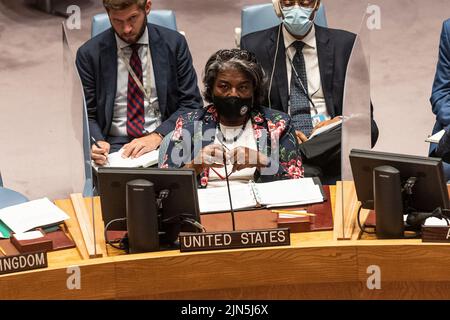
211,156
243,157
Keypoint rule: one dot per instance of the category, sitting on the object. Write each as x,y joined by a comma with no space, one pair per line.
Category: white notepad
29,215
281,193
146,160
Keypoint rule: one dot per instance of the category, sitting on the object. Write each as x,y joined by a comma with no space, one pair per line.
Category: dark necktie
300,109
135,97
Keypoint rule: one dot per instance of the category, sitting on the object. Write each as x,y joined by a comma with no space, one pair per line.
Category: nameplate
436,234
23,262
234,239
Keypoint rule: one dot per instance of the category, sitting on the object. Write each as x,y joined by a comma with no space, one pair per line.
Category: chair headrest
164,18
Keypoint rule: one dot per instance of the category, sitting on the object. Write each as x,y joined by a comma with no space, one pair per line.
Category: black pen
95,142
98,146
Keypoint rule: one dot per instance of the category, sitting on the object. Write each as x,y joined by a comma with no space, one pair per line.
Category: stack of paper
292,192
29,215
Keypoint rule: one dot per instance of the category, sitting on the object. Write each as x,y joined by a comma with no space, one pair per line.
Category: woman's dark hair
235,59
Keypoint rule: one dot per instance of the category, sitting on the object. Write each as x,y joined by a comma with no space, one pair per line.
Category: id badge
318,118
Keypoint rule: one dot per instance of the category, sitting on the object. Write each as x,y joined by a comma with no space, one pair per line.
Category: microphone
229,191
416,219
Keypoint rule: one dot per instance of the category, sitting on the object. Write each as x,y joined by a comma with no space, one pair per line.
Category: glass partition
356,128
78,133
78,138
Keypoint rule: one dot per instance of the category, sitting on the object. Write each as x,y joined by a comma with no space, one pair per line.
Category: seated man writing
137,78
234,136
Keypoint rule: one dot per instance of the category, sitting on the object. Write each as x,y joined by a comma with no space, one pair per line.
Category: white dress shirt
312,70
152,112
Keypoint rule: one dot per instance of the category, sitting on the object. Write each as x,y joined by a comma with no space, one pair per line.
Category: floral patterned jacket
272,130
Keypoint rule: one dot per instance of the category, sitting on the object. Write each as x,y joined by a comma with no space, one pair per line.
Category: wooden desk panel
97,282
313,267
407,271
228,271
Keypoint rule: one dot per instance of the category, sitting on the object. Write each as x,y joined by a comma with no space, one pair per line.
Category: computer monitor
182,197
429,191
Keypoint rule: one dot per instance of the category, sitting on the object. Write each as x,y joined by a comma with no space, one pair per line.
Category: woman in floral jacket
254,142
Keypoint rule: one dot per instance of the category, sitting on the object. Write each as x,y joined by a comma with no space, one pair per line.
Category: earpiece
274,63
277,8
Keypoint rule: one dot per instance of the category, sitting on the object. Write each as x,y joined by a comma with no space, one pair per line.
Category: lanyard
147,92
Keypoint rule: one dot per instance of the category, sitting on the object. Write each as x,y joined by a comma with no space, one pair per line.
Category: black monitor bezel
146,174
364,182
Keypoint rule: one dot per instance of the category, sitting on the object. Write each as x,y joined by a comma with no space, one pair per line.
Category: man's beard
139,35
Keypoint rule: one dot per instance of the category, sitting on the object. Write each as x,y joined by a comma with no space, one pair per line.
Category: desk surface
314,266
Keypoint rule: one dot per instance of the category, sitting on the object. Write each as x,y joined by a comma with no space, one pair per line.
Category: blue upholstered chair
9,197
164,18
262,16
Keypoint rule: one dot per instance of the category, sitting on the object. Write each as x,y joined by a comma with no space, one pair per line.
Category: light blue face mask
296,20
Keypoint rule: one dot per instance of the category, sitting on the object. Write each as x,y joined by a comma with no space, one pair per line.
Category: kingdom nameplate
436,234
23,262
234,239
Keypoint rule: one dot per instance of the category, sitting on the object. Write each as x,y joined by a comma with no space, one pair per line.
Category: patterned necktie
135,97
300,109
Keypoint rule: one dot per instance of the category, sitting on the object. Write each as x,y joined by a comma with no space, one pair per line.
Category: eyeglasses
301,3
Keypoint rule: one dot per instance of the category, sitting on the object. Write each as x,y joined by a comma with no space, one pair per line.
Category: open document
326,128
146,160
281,193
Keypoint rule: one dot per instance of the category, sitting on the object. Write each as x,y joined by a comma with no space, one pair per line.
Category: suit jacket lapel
108,69
280,78
325,53
160,66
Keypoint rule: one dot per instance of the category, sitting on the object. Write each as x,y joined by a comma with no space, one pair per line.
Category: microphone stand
229,192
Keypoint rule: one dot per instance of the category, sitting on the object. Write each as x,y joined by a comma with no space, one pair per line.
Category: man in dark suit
440,99
306,65
138,78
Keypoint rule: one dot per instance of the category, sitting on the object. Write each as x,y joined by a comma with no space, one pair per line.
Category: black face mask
232,108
